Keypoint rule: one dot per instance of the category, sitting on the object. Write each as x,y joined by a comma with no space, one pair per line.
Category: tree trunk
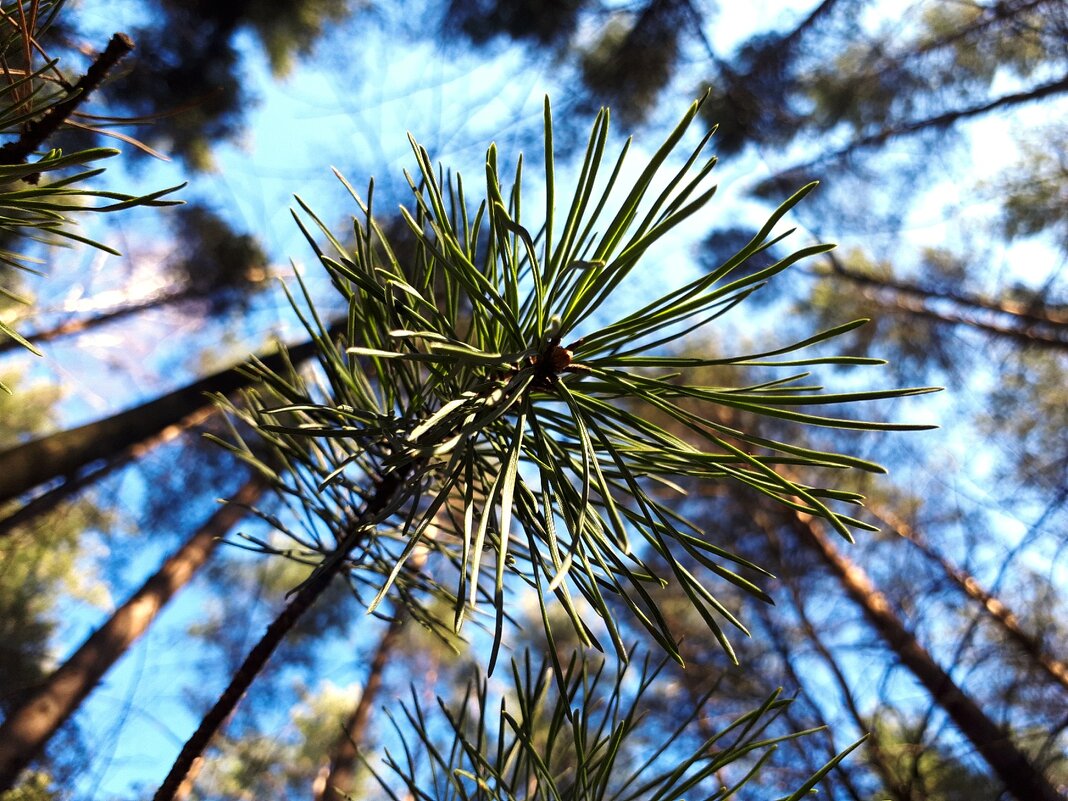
783,649
189,757
1022,779
79,325
48,501
1027,313
1002,616
877,757
1025,335
820,11
62,454
340,780
28,728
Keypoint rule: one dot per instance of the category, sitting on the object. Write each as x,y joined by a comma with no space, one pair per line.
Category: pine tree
422,409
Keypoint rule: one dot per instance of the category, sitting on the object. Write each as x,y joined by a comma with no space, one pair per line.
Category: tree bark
1021,778
62,454
783,649
340,780
1003,617
28,728
82,324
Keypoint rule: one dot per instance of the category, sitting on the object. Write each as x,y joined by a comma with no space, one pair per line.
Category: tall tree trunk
1021,778
1003,617
48,501
82,324
62,454
340,779
188,758
28,728
337,781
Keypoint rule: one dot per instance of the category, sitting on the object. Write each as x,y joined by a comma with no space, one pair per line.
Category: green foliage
283,762
37,786
956,51
578,739
559,476
41,198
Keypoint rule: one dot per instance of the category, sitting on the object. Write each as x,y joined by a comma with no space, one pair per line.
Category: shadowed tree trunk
28,728
1027,313
1021,778
785,653
1002,616
64,453
48,501
340,779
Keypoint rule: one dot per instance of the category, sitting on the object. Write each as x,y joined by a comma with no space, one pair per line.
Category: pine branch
789,176
36,132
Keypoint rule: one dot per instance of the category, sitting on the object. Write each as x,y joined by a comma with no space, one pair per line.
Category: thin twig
36,132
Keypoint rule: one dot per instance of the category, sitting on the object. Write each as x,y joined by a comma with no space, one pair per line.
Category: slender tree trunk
386,488
782,647
820,11
1030,335
48,501
1027,313
80,325
340,778
62,454
1021,778
877,756
1002,616
28,728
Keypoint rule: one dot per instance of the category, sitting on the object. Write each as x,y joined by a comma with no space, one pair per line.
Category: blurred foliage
1034,192
185,84
213,262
